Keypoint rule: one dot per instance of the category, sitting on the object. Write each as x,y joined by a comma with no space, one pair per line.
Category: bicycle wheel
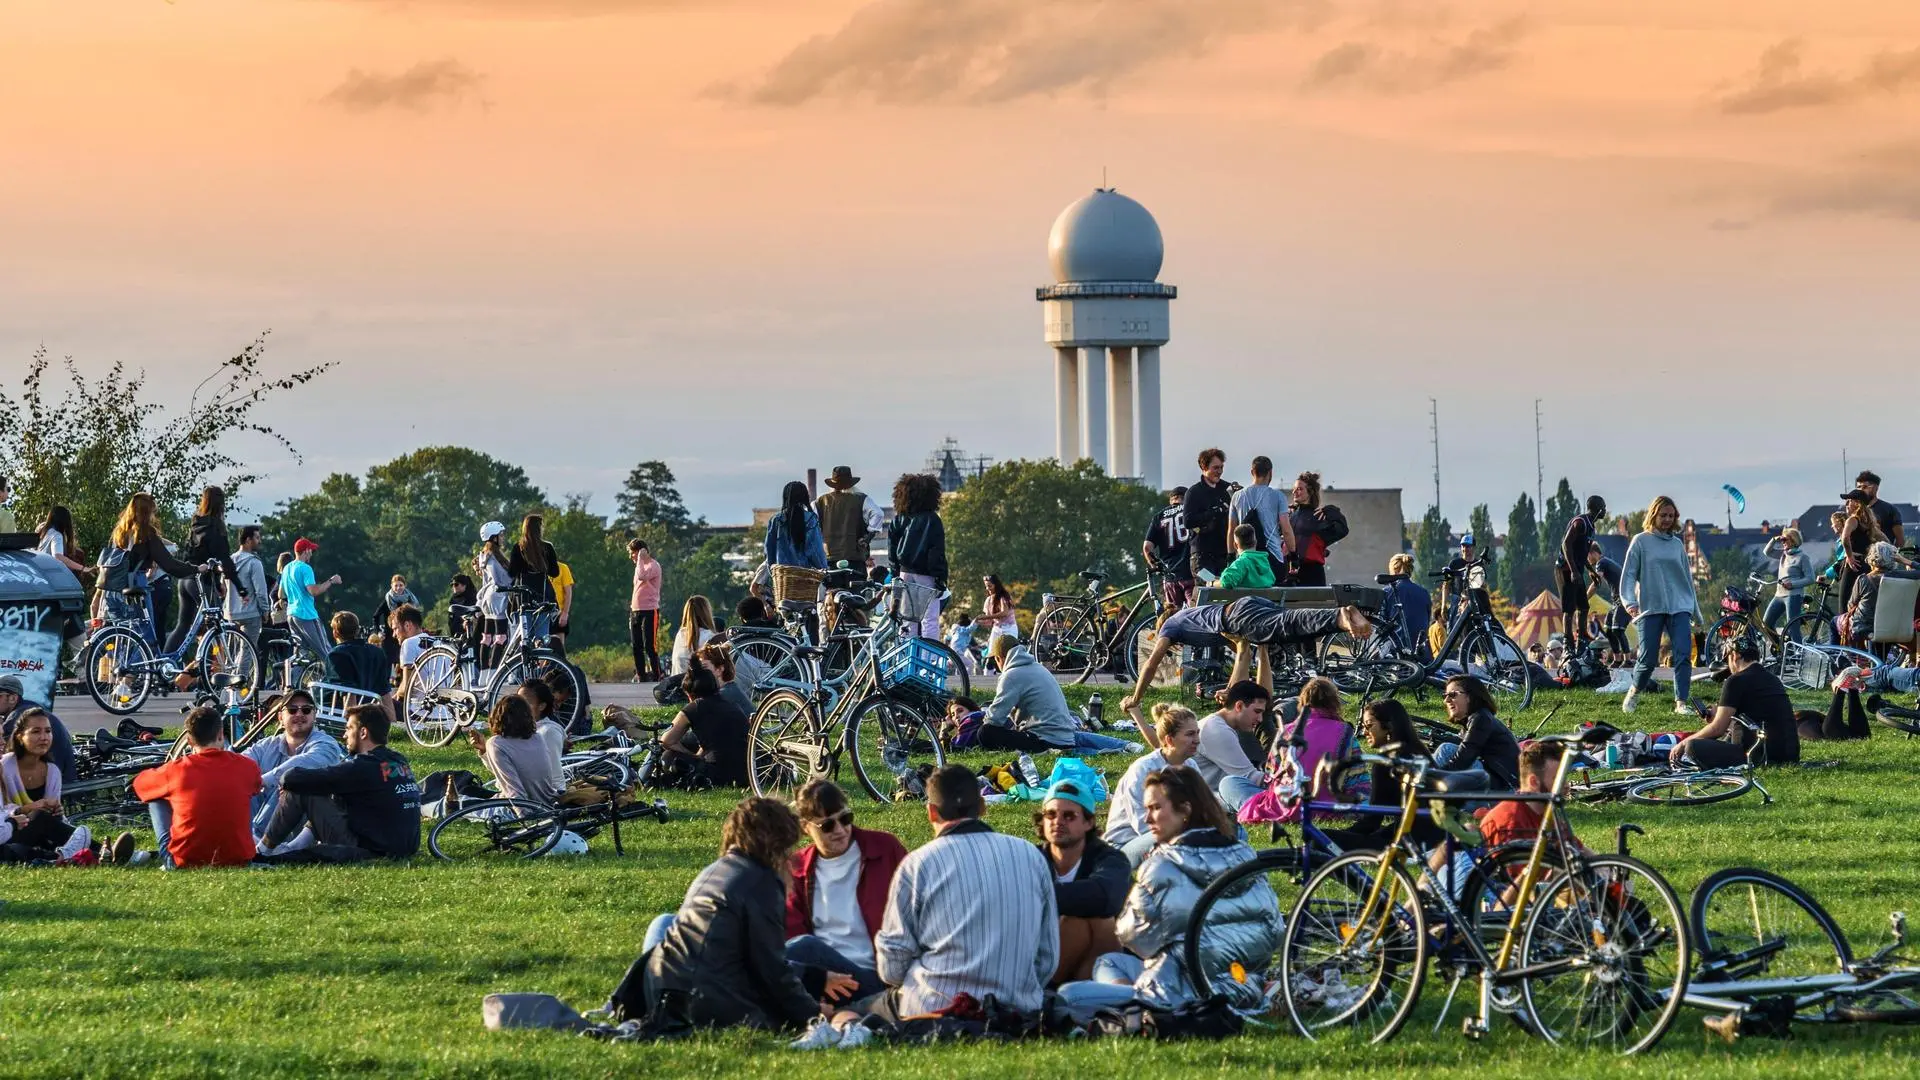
1500,664
890,741
1690,789
1369,677
1899,719
430,722
1816,628
1747,923
119,670
497,829
1608,955
1139,643
1355,951
1338,651
774,653
227,651
549,668
1063,641
782,744
1236,961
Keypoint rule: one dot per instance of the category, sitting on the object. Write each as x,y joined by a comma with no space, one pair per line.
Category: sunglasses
1055,815
1451,694
841,820
301,710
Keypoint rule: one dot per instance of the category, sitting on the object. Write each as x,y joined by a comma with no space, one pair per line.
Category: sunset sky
749,236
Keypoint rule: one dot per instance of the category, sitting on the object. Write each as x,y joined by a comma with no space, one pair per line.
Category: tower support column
1066,405
1147,391
1120,409
1094,369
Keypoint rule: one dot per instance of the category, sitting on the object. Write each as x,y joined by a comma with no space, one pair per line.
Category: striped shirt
971,912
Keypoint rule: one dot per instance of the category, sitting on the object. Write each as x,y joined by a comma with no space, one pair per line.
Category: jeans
1092,742
1110,987
1137,848
160,812
1678,627
656,932
1236,790
810,951
1787,607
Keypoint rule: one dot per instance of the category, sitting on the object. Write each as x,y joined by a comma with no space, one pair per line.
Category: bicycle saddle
226,679
1454,783
134,594
853,601
1089,575
796,607
809,652
106,743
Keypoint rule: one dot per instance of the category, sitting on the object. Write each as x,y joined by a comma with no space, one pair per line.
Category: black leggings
995,737
644,628
1851,725
39,838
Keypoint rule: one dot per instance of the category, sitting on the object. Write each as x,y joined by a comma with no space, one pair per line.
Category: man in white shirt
1222,759
251,573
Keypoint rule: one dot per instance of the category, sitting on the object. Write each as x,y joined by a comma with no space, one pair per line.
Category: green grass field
380,970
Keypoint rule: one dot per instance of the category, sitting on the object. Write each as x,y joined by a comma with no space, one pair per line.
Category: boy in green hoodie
1250,568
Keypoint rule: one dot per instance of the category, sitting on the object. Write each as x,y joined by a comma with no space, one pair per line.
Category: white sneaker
81,840
856,1035
1850,679
821,1035
1681,708
1632,699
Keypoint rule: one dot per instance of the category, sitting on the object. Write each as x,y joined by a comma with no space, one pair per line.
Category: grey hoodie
1656,576
1029,699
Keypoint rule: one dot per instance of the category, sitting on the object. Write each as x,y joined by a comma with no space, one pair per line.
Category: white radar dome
1105,237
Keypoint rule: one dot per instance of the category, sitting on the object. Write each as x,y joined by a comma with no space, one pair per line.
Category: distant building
954,466
1376,533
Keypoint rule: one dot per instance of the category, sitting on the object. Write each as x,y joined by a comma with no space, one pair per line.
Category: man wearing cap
1091,878
297,584
1868,484
849,520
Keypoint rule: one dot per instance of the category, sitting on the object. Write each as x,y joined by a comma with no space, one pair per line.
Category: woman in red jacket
839,894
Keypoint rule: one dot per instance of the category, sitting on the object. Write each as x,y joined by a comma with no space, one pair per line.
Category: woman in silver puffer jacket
1198,841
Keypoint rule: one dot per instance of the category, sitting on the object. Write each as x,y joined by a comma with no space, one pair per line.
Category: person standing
1570,571
562,581
1656,584
136,552
300,589
1858,532
1308,564
490,575
998,614
1205,509
1790,590
643,613
1884,515
849,520
1165,549
1260,506
917,543
793,534
531,563
1412,605
246,601
206,543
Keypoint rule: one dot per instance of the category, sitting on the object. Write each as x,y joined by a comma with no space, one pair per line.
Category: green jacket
1248,570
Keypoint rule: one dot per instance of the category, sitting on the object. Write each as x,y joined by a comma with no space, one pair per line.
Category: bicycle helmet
490,530
570,843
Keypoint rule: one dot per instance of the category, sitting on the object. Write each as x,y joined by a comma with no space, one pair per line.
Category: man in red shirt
202,803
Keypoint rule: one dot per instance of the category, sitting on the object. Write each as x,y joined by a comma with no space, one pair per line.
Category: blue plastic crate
916,662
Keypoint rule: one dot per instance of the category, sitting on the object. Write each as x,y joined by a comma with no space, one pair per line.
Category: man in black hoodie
366,807
1091,879
1205,511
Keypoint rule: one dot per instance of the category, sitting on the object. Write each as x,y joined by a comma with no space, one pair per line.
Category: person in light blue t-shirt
298,585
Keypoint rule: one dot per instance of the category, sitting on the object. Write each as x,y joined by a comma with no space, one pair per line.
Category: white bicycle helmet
570,843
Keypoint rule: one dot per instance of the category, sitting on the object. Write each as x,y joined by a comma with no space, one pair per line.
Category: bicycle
1475,641
1666,784
522,829
776,650
796,735
446,666
1074,634
122,667
1594,950
1771,955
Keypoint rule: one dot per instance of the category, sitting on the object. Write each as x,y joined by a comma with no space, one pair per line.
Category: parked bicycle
123,666
1665,784
1078,635
1476,643
454,666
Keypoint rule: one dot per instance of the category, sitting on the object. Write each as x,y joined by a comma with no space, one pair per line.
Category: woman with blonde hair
1175,734
695,630
1790,590
136,537
1656,585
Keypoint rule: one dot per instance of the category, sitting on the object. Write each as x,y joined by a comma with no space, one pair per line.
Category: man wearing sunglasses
1090,876
300,745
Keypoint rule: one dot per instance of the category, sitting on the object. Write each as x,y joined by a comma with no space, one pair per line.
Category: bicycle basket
918,663
908,601
797,583
1738,601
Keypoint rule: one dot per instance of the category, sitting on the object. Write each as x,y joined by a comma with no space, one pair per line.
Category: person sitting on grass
1177,734
720,961
32,827
1197,841
1030,714
1221,759
201,804
838,898
1383,723
352,662
300,745
524,766
1485,742
1090,879
1250,568
718,727
12,697
539,697
1753,692
1319,735
1511,821
971,912
718,658
366,807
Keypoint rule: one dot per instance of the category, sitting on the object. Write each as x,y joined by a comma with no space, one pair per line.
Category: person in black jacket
206,543
1097,875
366,807
1485,742
532,563
721,961
137,534
917,542
1204,511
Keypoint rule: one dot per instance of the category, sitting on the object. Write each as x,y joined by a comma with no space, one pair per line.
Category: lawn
380,970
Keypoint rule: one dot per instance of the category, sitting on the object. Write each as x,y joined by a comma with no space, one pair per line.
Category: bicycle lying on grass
1664,784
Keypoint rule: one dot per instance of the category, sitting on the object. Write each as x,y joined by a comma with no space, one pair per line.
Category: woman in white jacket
1177,732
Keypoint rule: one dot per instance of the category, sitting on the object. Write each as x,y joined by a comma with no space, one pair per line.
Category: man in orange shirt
202,803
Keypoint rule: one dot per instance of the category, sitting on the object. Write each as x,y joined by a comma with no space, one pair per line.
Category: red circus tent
1537,622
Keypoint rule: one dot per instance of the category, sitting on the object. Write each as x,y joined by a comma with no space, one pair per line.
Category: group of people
1275,538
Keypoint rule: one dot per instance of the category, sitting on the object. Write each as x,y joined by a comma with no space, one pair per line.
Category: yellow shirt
562,581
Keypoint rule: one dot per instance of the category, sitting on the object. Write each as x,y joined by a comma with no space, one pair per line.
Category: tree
1480,523
652,499
602,574
1039,523
106,439
703,572
1562,507
1523,547
1433,544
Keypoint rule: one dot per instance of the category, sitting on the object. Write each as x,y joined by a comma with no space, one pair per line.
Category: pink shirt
646,585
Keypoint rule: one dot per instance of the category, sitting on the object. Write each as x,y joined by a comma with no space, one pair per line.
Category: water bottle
1029,771
1096,713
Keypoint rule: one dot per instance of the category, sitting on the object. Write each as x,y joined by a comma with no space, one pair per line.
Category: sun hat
842,477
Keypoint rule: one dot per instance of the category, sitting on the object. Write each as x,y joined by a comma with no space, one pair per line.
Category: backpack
1333,525
114,574
1209,1019
1587,670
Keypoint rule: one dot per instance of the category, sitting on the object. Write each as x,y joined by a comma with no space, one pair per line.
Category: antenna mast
1433,412
1539,466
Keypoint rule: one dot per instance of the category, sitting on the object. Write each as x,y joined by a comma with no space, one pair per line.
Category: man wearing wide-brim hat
849,520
